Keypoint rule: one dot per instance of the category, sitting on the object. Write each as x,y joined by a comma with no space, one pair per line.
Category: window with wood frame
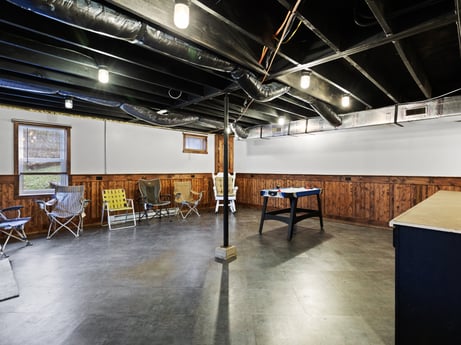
195,143
41,157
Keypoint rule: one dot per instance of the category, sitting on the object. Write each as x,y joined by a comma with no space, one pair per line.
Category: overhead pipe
321,108
326,112
152,117
257,90
239,131
21,86
93,16
98,18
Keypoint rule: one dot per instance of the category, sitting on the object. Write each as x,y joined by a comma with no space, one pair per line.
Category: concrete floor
160,284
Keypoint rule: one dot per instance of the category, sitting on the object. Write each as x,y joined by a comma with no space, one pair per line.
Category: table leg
291,223
319,206
263,215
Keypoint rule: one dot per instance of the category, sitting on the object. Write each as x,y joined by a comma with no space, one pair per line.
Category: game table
293,214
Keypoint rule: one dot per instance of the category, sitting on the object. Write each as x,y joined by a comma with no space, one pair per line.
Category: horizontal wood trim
372,200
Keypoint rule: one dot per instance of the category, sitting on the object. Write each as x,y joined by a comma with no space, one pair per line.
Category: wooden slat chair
218,189
114,202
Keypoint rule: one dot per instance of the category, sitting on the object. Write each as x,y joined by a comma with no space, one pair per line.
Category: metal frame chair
12,227
115,201
185,197
65,210
152,198
218,189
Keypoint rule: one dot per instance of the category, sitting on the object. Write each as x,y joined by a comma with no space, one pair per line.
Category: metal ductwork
88,15
255,89
152,117
91,99
93,16
324,110
239,131
17,85
166,44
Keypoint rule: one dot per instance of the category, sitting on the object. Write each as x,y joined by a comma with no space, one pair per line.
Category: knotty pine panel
359,199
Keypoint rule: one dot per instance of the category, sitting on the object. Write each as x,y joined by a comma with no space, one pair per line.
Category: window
194,143
42,157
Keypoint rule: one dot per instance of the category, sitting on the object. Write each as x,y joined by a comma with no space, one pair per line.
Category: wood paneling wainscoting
372,200
94,184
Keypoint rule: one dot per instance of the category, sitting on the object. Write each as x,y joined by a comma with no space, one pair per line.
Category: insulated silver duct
88,15
93,16
17,85
152,117
326,112
257,90
239,131
91,99
163,43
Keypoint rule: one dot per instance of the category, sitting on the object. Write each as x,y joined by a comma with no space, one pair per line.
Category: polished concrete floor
160,284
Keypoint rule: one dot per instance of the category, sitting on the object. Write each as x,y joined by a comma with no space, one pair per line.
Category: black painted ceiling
380,52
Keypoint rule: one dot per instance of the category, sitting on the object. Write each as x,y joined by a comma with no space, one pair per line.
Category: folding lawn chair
65,210
185,197
12,227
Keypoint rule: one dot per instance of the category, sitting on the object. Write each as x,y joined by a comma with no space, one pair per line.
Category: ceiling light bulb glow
305,80
181,14
68,103
346,101
103,75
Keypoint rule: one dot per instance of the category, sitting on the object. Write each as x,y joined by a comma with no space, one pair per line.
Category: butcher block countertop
441,212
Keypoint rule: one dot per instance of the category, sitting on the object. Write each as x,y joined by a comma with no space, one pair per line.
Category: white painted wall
109,147
423,148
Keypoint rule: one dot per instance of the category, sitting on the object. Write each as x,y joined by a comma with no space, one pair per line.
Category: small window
194,143
41,157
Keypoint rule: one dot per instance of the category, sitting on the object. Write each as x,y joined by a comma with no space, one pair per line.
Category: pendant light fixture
346,101
103,74
181,14
305,80
68,103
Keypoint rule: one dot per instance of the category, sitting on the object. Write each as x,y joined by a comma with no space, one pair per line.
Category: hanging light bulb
281,120
346,101
305,80
68,103
103,75
181,13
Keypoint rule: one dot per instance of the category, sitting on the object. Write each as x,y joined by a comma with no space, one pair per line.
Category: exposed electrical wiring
284,28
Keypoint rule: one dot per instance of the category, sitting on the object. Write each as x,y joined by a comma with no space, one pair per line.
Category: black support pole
226,173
